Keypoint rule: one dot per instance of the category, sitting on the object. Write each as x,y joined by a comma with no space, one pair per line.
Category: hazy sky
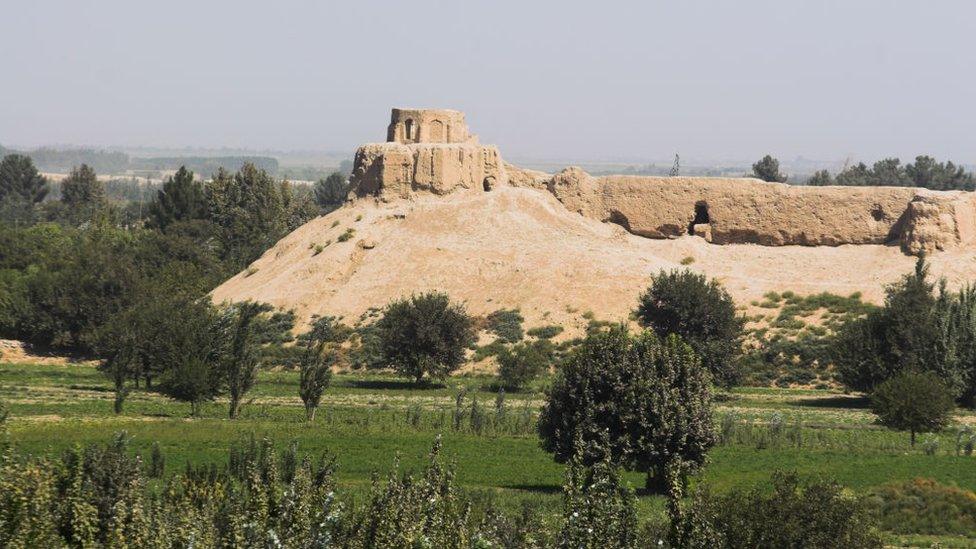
713,80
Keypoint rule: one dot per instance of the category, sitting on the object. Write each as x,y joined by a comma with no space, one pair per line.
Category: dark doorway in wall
701,216
488,183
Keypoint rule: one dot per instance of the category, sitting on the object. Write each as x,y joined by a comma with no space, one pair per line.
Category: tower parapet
428,126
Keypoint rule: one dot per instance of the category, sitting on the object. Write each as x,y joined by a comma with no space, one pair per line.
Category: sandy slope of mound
521,248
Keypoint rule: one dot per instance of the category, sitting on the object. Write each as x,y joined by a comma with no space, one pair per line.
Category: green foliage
923,506
597,511
81,191
820,178
767,169
164,334
644,402
545,332
425,335
347,235
918,402
181,200
250,211
702,313
506,324
315,368
239,353
326,328
21,186
924,172
331,192
816,515
523,363
913,331
790,351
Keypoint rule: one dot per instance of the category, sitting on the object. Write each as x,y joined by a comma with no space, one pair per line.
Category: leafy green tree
315,375
917,402
181,199
524,362
240,356
320,352
702,312
331,192
82,188
767,169
116,342
191,379
21,187
644,402
179,342
425,335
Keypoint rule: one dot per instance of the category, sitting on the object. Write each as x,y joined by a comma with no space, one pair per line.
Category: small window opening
408,126
488,183
701,216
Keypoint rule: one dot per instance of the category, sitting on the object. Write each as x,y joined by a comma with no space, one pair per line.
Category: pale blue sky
714,80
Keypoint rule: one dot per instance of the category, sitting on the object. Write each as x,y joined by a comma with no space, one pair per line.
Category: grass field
368,419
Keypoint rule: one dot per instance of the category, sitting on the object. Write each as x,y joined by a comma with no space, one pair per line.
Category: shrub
918,402
506,324
597,510
425,335
545,332
643,401
814,515
350,232
923,506
522,364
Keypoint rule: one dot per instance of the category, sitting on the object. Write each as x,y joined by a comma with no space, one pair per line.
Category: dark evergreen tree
249,211
20,181
908,333
331,192
82,188
820,178
767,169
180,199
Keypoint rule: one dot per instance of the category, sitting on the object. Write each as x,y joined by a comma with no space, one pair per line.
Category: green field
368,419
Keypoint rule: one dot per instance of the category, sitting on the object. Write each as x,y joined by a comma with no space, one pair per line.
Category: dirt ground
521,248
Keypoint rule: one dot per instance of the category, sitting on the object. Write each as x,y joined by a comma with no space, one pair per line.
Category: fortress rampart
432,151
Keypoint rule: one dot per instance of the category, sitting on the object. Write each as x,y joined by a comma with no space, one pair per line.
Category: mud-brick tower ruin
427,151
428,126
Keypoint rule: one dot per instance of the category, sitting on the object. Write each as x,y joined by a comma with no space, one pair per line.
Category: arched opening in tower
701,216
408,128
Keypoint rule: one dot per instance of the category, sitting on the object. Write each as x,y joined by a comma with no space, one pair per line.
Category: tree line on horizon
925,172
